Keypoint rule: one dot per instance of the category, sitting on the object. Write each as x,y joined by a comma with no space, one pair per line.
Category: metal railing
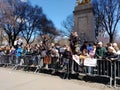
104,68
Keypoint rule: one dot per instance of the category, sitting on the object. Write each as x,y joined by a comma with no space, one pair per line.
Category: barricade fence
103,68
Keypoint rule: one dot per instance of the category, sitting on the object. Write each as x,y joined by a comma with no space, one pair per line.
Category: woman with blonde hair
116,48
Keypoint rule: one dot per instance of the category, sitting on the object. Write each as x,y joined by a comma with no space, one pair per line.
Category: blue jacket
19,51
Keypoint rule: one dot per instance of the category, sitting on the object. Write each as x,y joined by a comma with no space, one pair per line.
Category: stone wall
84,22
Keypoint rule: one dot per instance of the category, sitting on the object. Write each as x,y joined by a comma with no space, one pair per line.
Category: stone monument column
84,21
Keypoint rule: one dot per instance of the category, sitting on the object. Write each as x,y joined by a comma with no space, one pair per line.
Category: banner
76,59
92,62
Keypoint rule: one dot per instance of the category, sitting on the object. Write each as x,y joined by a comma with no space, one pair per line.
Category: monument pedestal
84,22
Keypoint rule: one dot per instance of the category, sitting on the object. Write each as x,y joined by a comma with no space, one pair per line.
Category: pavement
21,80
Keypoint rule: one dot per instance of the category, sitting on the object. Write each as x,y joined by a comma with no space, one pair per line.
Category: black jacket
110,56
67,54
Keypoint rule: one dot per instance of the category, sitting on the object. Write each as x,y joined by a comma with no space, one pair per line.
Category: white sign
76,59
90,62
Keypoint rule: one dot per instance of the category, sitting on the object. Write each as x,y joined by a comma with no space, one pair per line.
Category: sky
56,10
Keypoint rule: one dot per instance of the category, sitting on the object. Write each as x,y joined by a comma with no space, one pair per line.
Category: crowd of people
61,57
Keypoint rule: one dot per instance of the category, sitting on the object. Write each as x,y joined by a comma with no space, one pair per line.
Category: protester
74,42
18,51
100,51
53,55
112,57
110,54
92,52
117,50
55,60
18,43
100,54
2,52
67,61
12,50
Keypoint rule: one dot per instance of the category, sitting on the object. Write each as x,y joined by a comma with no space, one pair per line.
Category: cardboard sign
76,59
92,62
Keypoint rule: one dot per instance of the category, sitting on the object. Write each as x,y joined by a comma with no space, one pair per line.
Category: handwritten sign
92,62
76,59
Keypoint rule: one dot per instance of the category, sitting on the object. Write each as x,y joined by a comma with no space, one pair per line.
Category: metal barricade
24,61
4,60
27,61
116,75
18,62
39,63
104,68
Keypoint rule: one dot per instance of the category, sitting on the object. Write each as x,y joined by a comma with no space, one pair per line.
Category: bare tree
49,29
21,18
68,24
11,19
33,18
107,16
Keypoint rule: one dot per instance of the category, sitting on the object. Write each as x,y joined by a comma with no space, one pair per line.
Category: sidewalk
19,80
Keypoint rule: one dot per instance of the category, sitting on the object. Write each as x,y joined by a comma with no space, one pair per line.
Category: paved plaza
20,80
